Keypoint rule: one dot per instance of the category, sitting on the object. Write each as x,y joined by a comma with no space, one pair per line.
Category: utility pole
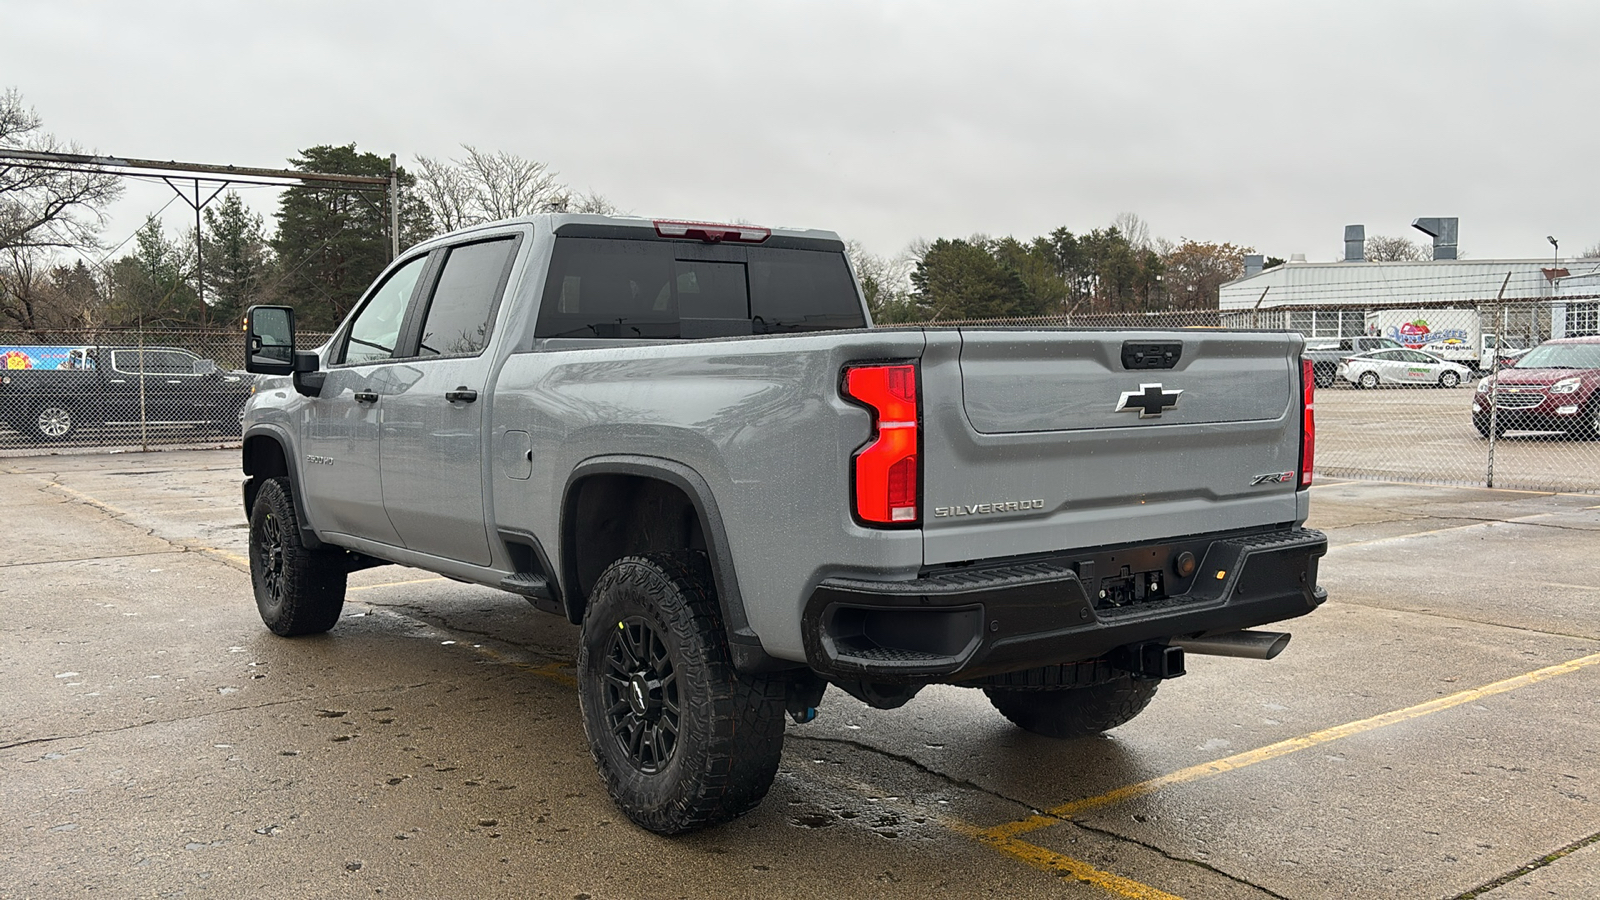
394,208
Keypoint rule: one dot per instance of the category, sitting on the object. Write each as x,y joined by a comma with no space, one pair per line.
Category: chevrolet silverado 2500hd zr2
690,440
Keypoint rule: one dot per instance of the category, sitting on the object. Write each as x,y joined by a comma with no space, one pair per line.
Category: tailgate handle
1151,354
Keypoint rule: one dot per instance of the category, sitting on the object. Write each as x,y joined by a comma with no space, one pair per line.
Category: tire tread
733,771
315,580
1075,712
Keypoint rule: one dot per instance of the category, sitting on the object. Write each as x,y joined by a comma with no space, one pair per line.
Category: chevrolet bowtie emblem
1149,400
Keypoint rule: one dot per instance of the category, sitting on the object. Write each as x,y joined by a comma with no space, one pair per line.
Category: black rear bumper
961,624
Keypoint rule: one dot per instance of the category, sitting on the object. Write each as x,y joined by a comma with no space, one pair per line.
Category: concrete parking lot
1431,732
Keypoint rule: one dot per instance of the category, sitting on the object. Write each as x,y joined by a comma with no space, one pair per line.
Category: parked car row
1554,387
122,386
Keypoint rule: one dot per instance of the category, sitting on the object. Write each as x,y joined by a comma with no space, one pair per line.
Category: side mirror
205,367
269,340
269,349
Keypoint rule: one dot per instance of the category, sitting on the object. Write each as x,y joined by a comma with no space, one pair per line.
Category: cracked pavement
155,740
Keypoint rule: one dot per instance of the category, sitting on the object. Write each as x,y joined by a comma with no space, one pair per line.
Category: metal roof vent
1253,264
1443,232
1355,243
1297,258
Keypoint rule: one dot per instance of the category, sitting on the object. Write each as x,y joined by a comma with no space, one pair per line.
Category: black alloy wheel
641,695
298,590
269,549
682,739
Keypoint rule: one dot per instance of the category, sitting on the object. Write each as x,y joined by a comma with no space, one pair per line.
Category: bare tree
886,282
589,202
1591,253
483,187
42,206
1135,229
34,296
1394,249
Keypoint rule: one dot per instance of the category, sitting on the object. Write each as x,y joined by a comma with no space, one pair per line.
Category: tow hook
1149,660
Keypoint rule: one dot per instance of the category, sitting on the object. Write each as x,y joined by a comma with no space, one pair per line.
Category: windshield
1561,356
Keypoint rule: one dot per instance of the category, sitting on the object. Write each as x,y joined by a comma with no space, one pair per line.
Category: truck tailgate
1025,450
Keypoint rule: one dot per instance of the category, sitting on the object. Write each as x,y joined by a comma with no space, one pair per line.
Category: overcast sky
1270,124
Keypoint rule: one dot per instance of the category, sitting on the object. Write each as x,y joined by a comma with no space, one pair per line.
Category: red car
1554,387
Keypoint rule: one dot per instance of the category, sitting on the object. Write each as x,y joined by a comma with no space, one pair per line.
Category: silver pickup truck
689,439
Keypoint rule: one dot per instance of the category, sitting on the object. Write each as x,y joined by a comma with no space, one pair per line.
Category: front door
340,429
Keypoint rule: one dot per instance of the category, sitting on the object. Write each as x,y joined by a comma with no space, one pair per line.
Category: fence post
144,418
1494,377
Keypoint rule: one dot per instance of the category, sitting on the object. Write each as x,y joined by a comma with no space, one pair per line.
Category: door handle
462,394
366,396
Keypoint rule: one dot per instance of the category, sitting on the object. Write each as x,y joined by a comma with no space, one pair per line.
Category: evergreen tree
236,259
150,286
332,242
959,279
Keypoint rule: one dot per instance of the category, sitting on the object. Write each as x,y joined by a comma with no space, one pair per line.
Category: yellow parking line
1572,587
1521,520
1283,748
1062,866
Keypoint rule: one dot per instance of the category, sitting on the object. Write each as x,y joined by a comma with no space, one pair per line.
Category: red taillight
712,232
885,470
1308,429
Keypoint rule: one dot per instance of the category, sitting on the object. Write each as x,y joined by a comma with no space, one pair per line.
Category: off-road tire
298,590
1075,712
52,421
657,616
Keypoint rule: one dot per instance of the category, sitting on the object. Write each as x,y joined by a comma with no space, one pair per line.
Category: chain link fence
1497,422
121,389
1407,420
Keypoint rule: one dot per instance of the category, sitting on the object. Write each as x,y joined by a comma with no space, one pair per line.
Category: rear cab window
662,289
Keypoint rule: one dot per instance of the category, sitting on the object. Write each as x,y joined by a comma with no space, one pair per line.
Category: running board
534,587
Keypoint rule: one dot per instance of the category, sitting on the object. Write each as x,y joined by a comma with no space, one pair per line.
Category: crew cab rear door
1041,440
433,405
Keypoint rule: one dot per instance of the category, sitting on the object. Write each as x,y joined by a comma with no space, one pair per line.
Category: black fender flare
743,643
252,483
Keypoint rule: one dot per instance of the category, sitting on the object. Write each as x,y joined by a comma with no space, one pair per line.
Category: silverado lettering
978,509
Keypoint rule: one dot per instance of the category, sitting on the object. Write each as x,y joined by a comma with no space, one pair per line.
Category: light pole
1556,244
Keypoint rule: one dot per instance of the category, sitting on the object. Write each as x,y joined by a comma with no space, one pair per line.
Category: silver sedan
1377,367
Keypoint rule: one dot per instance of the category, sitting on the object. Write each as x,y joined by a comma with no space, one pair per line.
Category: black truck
122,386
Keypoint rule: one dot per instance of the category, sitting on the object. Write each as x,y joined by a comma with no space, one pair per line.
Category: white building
1533,297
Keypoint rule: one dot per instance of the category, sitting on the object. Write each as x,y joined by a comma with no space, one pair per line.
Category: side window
151,362
461,311
376,328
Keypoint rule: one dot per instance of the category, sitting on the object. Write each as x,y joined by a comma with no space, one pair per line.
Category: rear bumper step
974,623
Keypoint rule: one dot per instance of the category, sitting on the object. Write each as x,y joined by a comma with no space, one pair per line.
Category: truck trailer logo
1150,400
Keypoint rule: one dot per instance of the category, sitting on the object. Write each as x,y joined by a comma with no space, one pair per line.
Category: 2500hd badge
979,509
